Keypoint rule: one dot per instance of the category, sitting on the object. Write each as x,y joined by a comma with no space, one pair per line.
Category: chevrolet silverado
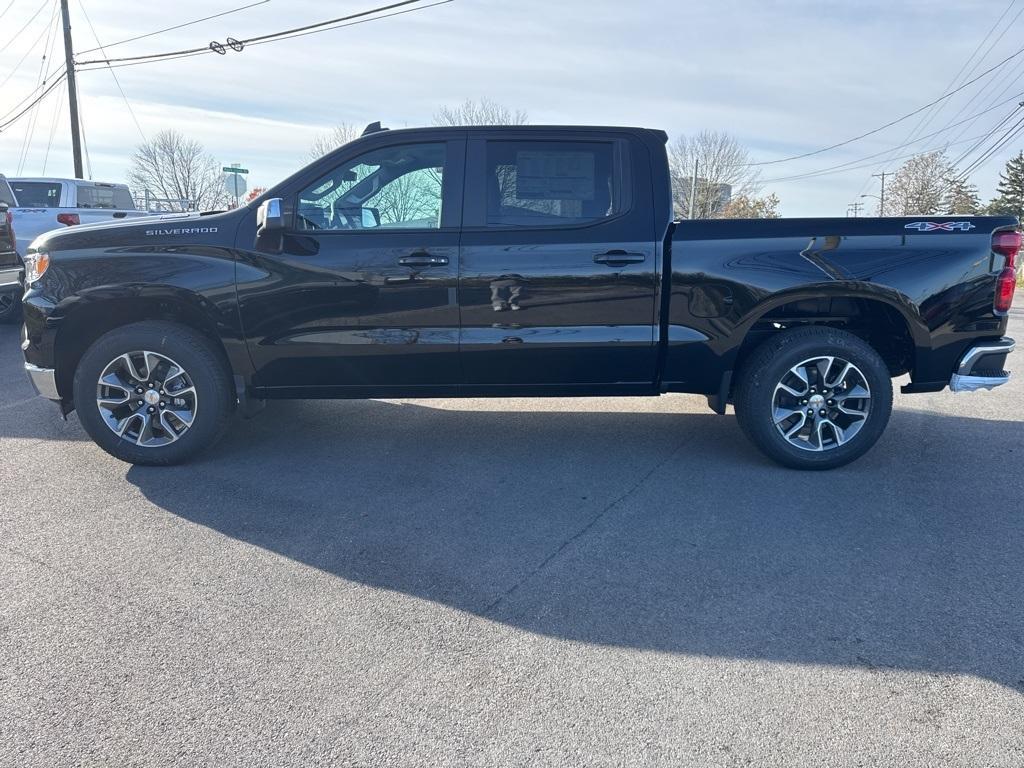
532,261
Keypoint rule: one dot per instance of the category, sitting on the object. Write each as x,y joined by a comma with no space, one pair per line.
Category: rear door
558,279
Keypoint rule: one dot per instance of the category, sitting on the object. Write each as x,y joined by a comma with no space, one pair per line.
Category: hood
162,229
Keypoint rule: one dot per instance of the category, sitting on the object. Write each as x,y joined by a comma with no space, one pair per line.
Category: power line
7,122
18,33
113,74
202,51
31,95
989,84
53,128
5,10
319,26
839,169
1012,132
988,135
897,120
30,50
845,166
914,135
34,116
101,48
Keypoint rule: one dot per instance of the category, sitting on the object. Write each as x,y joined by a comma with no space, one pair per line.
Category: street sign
234,169
235,184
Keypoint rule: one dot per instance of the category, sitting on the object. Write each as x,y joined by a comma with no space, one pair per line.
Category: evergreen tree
961,198
1011,189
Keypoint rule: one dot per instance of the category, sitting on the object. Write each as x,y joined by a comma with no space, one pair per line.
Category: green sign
233,169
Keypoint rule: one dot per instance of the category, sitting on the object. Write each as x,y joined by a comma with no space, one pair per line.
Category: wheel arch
885,318
88,316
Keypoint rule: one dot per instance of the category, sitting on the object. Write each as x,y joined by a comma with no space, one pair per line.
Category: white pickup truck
45,204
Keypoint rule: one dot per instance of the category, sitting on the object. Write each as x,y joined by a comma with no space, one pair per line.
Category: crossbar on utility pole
69,62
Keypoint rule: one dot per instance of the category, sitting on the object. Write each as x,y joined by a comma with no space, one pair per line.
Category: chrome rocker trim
44,380
964,381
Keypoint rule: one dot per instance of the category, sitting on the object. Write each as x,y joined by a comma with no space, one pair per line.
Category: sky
784,77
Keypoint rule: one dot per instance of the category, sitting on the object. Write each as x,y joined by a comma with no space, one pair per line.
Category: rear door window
551,183
37,194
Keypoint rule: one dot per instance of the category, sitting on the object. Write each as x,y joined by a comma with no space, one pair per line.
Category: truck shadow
655,531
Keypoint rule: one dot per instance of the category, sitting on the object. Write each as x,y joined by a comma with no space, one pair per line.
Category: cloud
785,77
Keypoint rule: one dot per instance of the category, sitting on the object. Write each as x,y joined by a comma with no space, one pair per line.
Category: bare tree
415,196
172,167
483,112
743,207
928,185
341,134
723,170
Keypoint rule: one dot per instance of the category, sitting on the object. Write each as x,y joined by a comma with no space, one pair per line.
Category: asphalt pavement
513,582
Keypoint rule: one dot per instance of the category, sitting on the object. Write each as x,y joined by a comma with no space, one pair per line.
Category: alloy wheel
821,403
146,398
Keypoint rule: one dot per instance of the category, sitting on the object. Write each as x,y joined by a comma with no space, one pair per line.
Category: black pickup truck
506,261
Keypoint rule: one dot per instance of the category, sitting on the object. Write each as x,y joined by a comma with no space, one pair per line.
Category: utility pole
881,199
693,187
854,209
69,61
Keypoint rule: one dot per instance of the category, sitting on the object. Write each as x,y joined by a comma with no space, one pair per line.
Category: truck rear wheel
153,393
814,398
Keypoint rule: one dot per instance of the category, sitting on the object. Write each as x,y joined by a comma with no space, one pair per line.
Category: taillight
1006,244
68,219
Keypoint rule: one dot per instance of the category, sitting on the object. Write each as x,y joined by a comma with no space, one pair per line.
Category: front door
364,291
559,271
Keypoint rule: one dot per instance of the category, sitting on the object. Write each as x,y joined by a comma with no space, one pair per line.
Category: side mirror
269,218
371,218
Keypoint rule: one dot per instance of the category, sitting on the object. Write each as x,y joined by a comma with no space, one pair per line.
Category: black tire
767,368
193,352
10,306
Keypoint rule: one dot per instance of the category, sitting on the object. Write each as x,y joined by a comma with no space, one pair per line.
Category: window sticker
555,175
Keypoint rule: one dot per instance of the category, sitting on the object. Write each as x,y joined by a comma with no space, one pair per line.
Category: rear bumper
44,380
981,367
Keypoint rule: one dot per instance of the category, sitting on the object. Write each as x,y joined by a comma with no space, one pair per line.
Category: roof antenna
373,128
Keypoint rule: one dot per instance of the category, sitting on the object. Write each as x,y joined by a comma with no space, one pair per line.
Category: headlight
36,264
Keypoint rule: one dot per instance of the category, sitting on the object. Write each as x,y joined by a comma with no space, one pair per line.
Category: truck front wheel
10,306
153,393
814,397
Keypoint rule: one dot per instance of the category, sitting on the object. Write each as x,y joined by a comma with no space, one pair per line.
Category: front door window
390,188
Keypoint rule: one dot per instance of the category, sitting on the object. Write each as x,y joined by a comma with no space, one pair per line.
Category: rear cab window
100,196
37,194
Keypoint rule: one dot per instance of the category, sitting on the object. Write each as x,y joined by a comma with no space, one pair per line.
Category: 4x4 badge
940,226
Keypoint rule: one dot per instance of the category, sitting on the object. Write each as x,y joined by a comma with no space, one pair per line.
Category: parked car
45,204
10,264
511,261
